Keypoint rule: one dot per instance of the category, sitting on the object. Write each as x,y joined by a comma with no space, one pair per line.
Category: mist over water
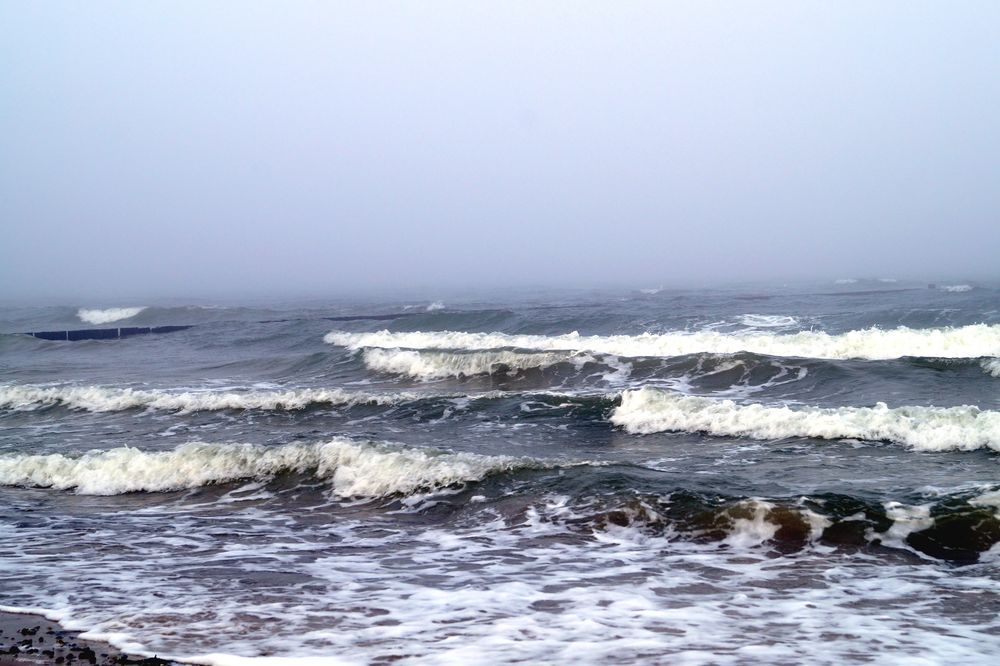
247,149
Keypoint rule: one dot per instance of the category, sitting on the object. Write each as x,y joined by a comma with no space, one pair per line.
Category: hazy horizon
234,150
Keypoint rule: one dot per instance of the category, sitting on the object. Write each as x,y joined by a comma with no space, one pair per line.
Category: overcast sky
330,147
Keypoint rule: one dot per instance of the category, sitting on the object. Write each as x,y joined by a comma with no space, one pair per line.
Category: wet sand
30,640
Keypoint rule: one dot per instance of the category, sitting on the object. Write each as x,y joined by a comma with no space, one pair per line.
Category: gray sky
313,147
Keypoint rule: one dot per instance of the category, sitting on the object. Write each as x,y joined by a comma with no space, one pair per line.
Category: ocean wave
439,365
955,288
353,469
103,399
435,306
954,527
872,344
649,410
107,316
991,366
768,321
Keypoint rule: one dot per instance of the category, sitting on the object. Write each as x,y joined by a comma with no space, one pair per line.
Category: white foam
353,469
438,365
956,288
755,530
526,587
102,399
991,366
768,321
435,306
872,343
845,281
651,410
906,520
991,498
107,316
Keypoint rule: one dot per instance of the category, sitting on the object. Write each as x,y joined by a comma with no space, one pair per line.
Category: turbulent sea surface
780,475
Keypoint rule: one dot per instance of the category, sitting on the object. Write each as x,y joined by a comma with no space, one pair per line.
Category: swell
108,315
103,399
650,410
978,340
439,365
352,469
991,366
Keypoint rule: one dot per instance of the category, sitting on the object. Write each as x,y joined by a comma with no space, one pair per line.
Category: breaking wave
872,344
107,316
649,410
103,399
768,321
439,365
955,288
954,527
353,469
991,366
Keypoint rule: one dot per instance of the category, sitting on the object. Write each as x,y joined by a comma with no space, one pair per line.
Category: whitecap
768,321
991,366
438,365
104,399
353,469
650,410
107,316
873,343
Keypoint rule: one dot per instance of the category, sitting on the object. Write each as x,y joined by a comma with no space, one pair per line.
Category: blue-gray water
774,474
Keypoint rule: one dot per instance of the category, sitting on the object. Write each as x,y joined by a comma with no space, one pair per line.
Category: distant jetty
104,333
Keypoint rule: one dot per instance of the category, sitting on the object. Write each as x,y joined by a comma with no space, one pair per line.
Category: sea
750,474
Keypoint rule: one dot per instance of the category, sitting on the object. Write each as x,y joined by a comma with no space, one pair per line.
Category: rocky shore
31,640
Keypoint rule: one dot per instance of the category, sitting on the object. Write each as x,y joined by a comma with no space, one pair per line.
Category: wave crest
107,316
649,410
871,344
352,469
440,365
102,399
768,321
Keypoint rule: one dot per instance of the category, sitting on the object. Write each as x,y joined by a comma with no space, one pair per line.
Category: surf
106,316
966,428
351,468
977,340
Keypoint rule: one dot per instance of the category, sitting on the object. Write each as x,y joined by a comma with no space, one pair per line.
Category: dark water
781,474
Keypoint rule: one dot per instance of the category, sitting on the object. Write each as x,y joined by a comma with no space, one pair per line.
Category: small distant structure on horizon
104,333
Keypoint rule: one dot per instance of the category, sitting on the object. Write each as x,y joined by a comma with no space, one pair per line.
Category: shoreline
28,639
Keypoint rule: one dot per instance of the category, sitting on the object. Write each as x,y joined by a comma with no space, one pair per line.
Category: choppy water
781,474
